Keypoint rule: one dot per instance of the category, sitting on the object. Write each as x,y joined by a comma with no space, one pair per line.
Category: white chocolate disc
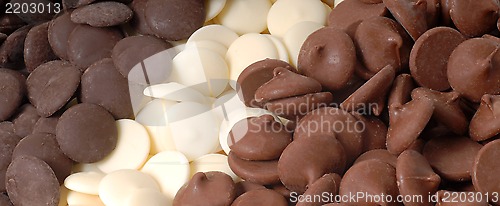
170,169
118,185
210,45
175,92
84,182
77,199
194,129
280,47
131,150
296,36
213,8
215,32
246,50
227,103
154,118
244,16
212,162
149,197
286,13
200,69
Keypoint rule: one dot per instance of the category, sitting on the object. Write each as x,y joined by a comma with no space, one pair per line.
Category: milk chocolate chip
260,172
401,90
429,57
211,188
51,86
31,181
307,159
45,147
102,14
328,184
375,132
473,70
348,14
452,157
12,90
416,177
86,133
246,186
411,14
59,30
259,138
260,197
486,166
317,53
174,19
378,154
483,20
485,124
37,49
103,85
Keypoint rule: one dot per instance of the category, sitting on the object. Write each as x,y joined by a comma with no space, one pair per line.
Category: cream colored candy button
194,129
286,13
295,37
170,169
201,69
215,32
213,8
226,103
174,91
210,45
131,150
246,50
154,117
212,162
147,197
280,47
81,199
243,16
84,182
117,186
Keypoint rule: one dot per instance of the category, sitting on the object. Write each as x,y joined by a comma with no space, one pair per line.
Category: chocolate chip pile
239,102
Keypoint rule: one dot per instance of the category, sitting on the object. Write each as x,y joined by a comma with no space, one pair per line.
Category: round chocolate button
8,142
86,133
37,49
12,90
102,14
59,30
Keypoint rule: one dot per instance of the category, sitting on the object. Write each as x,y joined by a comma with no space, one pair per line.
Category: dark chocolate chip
102,14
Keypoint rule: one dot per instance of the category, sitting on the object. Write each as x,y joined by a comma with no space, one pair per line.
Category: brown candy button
328,184
37,49
211,188
407,122
259,172
255,76
375,132
336,123
7,127
401,90
349,13
298,106
429,57
371,92
284,84
31,181
329,56
472,69
45,147
486,169
83,53
260,197
38,15
12,90
103,85
483,21
380,42
378,154
25,120
51,86
446,108
307,159
372,177
259,138
8,142
138,21
86,133
246,186
452,157
10,22
12,49
46,125
411,14
58,33
71,4
102,14
130,51
174,19
416,177
485,123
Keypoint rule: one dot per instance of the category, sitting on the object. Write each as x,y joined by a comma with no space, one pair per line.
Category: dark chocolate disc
59,30
37,49
102,14
12,90
25,120
8,142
